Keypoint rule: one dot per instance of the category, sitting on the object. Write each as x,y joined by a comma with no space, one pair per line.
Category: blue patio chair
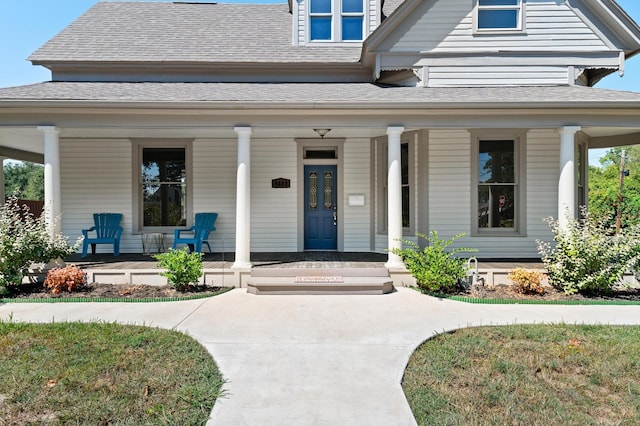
202,227
108,231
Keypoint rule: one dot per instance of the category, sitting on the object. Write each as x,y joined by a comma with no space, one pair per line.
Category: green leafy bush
587,258
183,268
435,268
24,240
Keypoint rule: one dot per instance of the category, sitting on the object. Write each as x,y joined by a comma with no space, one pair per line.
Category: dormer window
336,20
499,15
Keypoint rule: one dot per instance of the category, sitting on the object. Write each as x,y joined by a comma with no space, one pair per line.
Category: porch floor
310,259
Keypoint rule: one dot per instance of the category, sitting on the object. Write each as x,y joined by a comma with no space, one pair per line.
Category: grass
99,373
529,375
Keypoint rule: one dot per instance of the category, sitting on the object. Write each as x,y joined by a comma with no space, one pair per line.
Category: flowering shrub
70,278
527,282
183,268
434,268
587,258
24,240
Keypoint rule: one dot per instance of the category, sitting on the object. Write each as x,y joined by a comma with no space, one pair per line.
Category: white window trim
410,140
336,23
521,29
137,146
520,214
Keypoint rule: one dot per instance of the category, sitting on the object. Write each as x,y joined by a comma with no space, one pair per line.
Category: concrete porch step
319,281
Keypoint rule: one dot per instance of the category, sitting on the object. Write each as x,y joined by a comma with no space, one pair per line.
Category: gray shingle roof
185,33
307,94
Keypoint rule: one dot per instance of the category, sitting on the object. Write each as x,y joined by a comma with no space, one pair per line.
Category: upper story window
499,15
336,20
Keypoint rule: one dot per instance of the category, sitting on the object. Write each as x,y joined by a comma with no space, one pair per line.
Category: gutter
275,105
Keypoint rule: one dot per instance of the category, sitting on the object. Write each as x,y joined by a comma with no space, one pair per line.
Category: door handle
335,216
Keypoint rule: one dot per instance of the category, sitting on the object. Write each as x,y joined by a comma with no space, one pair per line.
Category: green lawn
97,373
527,375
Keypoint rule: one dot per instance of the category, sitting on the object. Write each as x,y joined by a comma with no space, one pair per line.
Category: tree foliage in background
25,180
604,183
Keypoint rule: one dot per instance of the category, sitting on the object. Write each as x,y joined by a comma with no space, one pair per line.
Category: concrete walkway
315,360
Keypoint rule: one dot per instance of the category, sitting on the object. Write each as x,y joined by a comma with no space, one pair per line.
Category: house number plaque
281,183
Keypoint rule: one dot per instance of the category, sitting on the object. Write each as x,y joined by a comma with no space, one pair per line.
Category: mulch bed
507,293
109,291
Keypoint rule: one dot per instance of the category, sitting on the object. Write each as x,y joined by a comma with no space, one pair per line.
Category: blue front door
320,209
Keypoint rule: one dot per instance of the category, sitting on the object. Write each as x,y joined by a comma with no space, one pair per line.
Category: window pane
406,222
320,6
404,163
164,204
496,206
163,164
499,2
352,6
499,19
496,162
163,187
320,28
352,28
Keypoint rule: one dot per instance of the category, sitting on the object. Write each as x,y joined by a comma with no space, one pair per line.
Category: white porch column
52,202
243,199
567,181
394,196
3,194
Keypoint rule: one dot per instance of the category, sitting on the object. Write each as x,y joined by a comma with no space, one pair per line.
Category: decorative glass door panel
321,210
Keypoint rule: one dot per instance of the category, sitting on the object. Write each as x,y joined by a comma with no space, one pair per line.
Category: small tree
24,240
435,268
183,268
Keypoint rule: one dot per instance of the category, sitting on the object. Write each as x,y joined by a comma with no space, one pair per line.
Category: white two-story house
340,125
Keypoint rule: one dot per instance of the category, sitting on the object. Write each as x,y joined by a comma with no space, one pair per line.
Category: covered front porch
133,268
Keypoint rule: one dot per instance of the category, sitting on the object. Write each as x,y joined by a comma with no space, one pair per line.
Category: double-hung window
499,15
498,196
163,185
336,20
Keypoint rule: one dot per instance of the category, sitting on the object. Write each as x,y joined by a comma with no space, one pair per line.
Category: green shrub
183,268
434,268
587,258
24,240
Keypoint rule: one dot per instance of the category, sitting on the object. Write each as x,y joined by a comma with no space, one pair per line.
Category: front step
319,281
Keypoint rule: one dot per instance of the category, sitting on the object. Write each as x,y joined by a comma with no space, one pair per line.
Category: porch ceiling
26,143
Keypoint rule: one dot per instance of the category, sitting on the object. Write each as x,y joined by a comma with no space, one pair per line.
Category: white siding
96,177
302,24
543,173
450,196
274,215
357,220
373,18
465,76
214,187
447,26
439,36
449,182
